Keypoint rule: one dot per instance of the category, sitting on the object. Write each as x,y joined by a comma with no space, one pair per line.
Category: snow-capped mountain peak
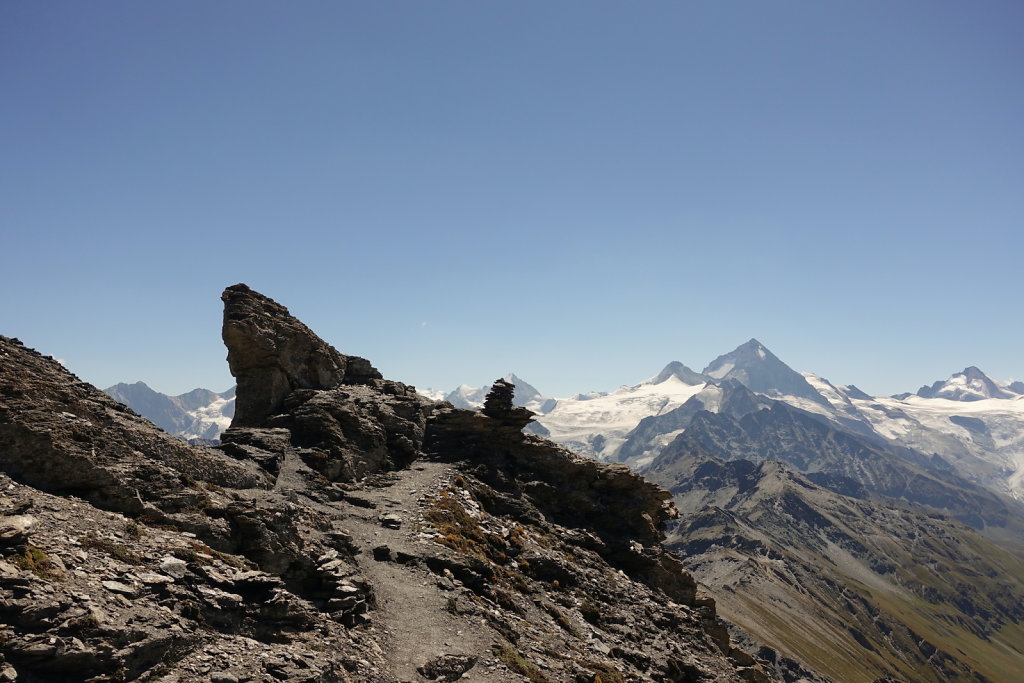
197,414
526,395
971,384
525,392
432,394
760,370
465,396
680,372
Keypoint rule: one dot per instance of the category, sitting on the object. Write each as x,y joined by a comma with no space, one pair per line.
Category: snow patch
432,394
721,371
597,425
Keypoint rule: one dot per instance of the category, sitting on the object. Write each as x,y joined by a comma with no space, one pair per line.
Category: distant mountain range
860,535
198,414
863,536
465,396
972,423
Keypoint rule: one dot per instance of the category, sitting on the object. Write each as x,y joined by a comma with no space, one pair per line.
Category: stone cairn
499,399
498,405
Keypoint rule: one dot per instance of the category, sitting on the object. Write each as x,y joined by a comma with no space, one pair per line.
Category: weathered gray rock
60,434
272,354
173,567
447,667
298,394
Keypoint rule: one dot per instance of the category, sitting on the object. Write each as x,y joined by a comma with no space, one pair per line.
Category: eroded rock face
297,393
61,434
272,354
626,512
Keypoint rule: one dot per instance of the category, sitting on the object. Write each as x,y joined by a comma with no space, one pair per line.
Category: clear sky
579,192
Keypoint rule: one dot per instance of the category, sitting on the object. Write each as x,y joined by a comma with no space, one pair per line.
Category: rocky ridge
855,588
346,530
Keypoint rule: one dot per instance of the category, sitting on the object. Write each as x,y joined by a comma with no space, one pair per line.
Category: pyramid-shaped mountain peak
760,370
524,391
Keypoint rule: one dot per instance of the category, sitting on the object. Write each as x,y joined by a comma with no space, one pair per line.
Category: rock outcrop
272,354
346,530
626,513
341,417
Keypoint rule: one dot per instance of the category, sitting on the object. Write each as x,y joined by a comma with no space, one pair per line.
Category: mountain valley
853,587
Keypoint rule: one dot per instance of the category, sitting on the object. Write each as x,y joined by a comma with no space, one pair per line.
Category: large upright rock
297,393
271,354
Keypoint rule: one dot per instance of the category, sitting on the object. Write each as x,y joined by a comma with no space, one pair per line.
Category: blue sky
579,192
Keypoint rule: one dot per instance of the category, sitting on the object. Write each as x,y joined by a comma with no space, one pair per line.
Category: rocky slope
856,589
346,530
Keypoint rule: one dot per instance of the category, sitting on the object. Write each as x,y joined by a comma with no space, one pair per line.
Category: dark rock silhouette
340,415
498,406
271,354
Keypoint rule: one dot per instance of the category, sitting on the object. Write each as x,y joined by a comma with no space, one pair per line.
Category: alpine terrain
867,537
346,529
845,537
199,414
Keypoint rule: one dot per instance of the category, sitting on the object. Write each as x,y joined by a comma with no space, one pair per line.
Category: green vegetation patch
459,530
38,562
119,551
516,662
604,673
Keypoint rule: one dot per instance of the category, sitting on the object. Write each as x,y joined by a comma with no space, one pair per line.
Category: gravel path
412,605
